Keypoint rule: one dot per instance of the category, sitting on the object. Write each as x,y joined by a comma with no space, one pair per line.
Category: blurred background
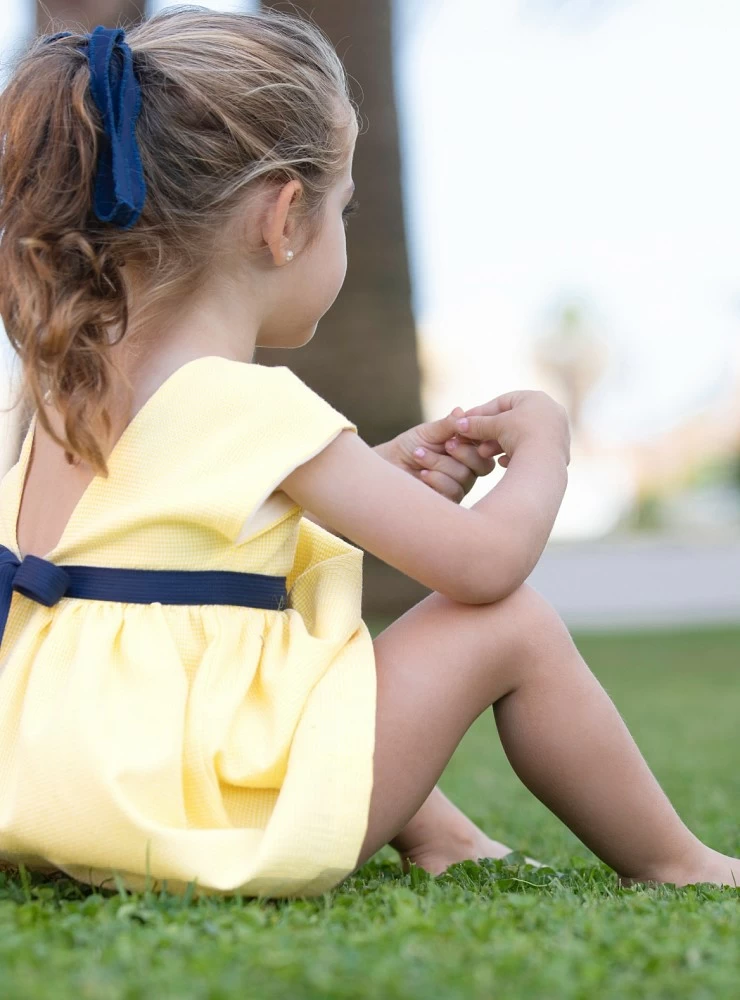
548,200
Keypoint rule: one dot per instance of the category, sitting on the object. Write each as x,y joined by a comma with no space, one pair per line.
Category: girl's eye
350,209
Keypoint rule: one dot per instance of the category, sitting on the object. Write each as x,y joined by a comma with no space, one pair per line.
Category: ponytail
62,291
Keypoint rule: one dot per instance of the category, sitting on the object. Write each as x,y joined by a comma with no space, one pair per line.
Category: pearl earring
289,255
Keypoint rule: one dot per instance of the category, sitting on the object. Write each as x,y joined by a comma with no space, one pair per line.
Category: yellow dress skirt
201,742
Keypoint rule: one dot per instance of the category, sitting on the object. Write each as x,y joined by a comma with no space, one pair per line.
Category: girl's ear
278,225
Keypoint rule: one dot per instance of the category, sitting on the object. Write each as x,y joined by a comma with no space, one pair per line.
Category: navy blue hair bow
120,188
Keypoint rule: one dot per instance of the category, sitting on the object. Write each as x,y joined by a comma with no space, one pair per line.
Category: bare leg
443,663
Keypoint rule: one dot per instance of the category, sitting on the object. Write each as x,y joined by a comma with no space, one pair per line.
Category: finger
504,461
455,474
487,449
470,456
438,431
494,406
442,483
445,464
480,428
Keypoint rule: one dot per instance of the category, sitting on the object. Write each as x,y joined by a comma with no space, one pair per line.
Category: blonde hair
228,100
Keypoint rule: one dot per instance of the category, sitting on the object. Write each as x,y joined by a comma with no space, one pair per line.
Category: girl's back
204,733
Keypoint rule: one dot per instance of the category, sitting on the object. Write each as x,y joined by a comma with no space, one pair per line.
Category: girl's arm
451,472
384,450
474,555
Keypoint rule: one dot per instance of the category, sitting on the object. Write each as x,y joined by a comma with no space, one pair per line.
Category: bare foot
711,866
440,835
437,856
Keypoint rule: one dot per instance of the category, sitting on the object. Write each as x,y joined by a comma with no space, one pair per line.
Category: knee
531,622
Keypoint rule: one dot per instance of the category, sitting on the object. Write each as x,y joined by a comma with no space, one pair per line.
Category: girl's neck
217,319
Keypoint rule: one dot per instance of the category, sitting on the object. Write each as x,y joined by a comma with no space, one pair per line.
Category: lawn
479,931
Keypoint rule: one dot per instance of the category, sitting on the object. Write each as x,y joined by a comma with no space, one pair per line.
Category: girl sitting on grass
187,688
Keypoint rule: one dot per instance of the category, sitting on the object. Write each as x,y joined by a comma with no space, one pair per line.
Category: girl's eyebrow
351,189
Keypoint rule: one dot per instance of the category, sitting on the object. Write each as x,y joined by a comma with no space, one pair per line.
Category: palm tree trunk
363,358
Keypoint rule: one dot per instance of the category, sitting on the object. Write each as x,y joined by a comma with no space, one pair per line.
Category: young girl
187,688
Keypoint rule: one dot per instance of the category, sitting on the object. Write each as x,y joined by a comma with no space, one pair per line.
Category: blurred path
642,582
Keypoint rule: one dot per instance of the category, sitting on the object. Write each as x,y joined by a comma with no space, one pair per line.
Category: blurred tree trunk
363,358
54,14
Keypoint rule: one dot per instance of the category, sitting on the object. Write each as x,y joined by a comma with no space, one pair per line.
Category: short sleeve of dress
288,423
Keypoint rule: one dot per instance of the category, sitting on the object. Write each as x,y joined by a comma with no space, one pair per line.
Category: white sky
548,152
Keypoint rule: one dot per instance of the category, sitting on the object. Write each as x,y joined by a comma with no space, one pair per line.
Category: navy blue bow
120,188
36,578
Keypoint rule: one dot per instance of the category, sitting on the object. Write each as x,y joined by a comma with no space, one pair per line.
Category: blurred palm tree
364,356
573,357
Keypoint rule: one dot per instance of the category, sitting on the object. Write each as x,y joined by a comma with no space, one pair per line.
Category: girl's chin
287,338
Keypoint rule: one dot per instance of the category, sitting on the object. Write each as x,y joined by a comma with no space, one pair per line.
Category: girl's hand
450,464
506,423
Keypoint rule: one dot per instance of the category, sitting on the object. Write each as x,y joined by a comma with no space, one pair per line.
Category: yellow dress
228,745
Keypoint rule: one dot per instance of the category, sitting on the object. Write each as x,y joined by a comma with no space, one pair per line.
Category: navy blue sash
47,583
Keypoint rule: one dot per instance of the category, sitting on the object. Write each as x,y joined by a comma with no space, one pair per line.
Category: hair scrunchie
120,188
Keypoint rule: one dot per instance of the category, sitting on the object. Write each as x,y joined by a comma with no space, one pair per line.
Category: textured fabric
120,185
228,745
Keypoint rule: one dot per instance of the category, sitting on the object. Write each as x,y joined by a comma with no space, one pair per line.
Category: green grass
479,931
